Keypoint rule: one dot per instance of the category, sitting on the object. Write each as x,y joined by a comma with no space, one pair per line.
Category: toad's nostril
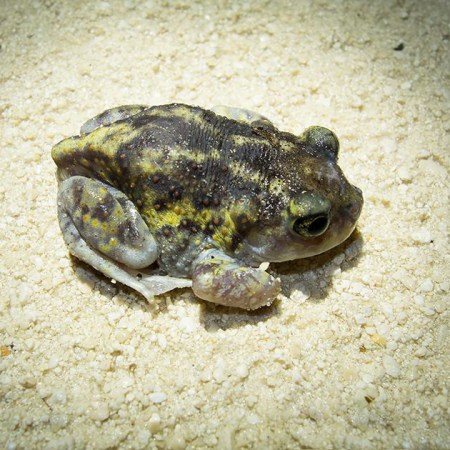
353,209
358,191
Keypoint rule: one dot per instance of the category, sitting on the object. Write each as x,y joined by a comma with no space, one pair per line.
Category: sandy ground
355,354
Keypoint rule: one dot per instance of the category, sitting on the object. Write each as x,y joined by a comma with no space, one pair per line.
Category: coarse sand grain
354,355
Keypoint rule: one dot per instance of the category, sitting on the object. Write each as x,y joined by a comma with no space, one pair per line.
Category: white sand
356,355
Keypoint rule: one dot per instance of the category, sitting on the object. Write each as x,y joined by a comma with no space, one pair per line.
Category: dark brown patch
102,211
127,233
243,223
175,192
236,239
77,191
142,119
159,205
188,224
212,225
216,221
166,231
165,186
123,157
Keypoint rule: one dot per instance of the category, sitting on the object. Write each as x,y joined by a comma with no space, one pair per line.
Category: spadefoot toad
209,196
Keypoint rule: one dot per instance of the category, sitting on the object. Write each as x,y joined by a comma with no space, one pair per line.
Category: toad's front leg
220,279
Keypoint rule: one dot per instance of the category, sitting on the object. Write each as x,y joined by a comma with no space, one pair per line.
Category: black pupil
312,225
318,225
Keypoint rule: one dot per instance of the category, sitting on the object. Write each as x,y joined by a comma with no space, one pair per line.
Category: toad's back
185,168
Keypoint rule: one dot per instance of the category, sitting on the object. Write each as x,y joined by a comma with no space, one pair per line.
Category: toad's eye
311,226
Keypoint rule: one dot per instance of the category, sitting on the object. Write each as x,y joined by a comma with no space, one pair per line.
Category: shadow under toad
312,277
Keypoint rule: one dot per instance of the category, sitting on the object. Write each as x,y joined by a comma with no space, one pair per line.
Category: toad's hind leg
103,228
110,116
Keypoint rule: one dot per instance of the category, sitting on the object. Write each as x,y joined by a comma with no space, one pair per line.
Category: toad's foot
220,279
